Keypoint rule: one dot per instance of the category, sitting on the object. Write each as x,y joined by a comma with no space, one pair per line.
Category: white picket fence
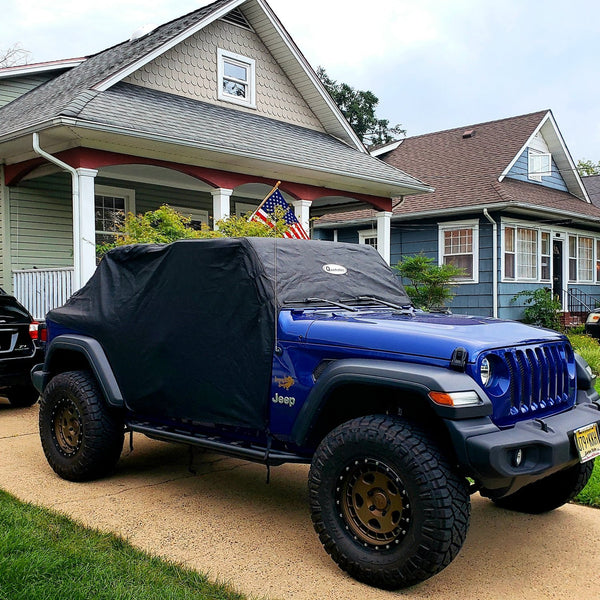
40,290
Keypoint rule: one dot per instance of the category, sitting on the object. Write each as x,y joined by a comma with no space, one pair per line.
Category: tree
14,55
165,225
430,284
359,109
587,167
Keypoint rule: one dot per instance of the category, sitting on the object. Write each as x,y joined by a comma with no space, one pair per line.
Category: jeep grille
542,381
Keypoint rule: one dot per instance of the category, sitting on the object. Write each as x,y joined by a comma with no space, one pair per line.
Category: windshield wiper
372,299
323,300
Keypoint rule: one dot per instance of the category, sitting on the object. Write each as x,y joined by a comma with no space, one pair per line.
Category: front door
557,269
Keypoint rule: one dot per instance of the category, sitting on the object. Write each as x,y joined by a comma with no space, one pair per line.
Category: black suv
20,350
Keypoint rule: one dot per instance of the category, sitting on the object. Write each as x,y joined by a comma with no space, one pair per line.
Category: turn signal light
455,398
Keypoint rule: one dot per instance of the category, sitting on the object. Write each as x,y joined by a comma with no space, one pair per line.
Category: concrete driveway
227,522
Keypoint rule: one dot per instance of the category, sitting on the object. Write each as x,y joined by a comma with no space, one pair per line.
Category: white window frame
116,192
538,254
563,234
197,214
597,262
534,156
577,258
368,234
453,226
223,57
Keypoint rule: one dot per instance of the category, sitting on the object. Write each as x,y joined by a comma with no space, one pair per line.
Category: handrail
580,301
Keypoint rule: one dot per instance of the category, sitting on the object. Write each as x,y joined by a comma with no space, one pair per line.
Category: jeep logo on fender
287,400
335,269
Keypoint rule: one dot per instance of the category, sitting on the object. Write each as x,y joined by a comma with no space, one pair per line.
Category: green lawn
590,350
45,556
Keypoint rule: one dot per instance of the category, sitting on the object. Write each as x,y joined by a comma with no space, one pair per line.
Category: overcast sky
434,64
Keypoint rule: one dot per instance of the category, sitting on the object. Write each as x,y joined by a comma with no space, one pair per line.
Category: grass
589,348
45,556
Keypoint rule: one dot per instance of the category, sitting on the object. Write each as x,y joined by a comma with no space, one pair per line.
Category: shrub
165,225
430,284
542,307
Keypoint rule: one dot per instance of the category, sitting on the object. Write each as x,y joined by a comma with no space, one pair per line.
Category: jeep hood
424,334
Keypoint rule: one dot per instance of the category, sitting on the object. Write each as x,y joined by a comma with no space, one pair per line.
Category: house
509,208
592,186
204,113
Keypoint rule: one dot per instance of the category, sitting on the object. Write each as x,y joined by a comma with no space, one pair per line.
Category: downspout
495,261
75,189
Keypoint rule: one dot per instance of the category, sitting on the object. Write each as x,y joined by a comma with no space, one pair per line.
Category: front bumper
487,453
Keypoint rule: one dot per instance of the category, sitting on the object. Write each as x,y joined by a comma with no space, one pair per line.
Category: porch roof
143,112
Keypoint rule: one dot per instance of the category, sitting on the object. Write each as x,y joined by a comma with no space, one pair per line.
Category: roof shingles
465,172
62,96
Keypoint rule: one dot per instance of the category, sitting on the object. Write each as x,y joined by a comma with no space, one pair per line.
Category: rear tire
549,493
387,506
81,436
22,396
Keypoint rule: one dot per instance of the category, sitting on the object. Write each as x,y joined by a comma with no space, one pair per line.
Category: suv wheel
551,492
22,396
385,503
81,436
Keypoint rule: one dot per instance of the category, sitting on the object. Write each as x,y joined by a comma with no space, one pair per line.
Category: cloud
434,64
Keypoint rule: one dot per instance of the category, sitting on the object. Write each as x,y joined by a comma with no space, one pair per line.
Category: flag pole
275,187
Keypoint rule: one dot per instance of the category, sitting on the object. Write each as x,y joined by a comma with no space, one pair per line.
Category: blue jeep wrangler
309,352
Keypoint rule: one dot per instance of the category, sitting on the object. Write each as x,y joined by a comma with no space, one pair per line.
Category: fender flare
417,378
95,357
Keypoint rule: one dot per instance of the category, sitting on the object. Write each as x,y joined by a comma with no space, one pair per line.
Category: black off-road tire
81,436
549,493
22,396
387,506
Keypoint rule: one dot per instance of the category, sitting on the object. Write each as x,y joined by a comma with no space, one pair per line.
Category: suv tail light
38,331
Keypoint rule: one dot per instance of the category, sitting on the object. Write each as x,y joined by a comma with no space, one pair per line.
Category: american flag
265,213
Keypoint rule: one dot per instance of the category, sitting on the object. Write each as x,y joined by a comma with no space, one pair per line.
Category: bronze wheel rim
374,504
68,430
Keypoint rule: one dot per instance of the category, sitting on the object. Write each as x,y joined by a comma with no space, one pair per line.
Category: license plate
587,441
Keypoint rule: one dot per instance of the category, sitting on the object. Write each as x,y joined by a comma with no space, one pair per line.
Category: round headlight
485,372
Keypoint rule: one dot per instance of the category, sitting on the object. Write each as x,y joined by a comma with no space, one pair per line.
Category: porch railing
40,290
580,302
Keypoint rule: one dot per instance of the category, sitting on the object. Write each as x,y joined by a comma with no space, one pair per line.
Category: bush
542,307
430,284
165,225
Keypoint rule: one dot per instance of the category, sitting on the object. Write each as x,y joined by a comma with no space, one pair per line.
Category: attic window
236,17
236,75
469,133
539,164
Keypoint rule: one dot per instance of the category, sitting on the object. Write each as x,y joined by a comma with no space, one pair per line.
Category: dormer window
539,164
236,78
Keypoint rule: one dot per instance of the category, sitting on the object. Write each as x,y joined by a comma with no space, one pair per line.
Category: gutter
494,261
75,188
519,206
